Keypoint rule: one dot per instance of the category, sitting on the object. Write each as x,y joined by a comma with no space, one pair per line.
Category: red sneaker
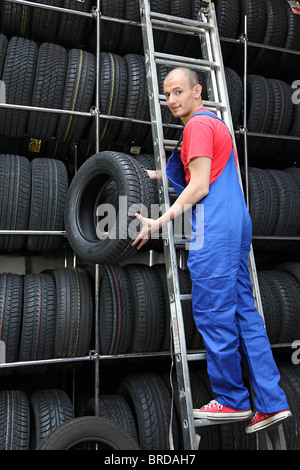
215,410
261,421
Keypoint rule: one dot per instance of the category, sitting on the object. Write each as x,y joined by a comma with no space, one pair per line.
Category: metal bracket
94,12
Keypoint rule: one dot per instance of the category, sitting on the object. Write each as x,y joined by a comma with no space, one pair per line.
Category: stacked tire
271,111
46,76
33,196
280,295
132,320
46,316
274,207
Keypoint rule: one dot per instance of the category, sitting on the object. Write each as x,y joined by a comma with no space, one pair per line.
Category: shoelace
213,404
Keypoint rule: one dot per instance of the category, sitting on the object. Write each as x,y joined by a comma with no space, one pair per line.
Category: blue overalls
223,304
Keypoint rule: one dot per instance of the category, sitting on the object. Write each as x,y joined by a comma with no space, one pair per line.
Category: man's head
183,92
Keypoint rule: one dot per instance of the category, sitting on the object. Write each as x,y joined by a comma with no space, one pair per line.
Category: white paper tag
2,352
295,6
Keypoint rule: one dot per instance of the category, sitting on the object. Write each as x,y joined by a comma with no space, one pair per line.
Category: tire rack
243,40
93,112
96,113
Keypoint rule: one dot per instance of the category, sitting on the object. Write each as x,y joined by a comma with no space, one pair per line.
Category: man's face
180,96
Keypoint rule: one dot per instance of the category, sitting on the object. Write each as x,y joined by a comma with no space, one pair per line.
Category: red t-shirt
205,136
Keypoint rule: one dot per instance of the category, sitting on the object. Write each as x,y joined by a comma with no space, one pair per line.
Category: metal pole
97,269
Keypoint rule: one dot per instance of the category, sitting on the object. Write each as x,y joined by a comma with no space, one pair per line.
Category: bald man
223,306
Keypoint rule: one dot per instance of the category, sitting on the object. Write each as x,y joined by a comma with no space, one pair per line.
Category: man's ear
198,90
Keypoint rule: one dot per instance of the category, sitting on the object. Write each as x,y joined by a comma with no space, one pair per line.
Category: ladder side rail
184,388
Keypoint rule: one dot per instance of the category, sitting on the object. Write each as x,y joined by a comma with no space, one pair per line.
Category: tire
47,90
281,117
175,43
150,399
189,325
110,31
131,41
11,296
289,294
290,384
257,18
270,299
15,19
45,23
263,202
74,312
78,94
292,147
71,28
160,270
292,268
14,420
288,63
48,198
105,434
275,35
235,94
150,198
51,409
86,194
3,47
18,76
15,184
38,320
116,409
228,19
260,111
227,13
288,215
149,321
159,36
137,106
113,95
115,309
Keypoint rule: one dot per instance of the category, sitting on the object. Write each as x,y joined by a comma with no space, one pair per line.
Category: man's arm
154,175
196,190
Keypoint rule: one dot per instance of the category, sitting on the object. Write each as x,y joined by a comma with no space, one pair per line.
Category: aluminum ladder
205,27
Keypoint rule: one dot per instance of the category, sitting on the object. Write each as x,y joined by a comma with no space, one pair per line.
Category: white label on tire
2,92
2,352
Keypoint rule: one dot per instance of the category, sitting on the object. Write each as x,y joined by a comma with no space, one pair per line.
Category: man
223,305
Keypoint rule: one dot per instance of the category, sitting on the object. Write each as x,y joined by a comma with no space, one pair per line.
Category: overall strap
207,113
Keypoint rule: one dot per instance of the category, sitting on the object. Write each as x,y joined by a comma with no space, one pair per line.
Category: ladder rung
177,20
170,143
185,297
176,27
199,64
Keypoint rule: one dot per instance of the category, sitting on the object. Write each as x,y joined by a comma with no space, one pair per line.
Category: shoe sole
223,416
269,423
